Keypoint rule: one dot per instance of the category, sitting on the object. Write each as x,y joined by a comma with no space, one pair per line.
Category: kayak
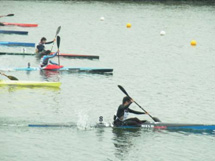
25,44
146,126
29,83
166,126
12,53
20,24
13,32
78,56
61,68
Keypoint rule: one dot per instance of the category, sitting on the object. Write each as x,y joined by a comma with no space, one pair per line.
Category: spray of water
83,121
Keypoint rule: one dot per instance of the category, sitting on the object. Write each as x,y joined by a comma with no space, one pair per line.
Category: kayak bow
14,32
30,83
25,44
20,24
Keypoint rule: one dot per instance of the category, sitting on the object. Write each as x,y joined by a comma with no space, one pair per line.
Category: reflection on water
122,140
50,75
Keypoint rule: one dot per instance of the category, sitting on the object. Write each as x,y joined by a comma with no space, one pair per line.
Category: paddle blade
123,90
156,119
12,77
58,42
10,15
58,30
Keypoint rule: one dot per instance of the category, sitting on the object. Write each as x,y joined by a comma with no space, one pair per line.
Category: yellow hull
29,83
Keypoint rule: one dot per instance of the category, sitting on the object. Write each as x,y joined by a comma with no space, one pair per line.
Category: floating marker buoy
128,25
23,50
162,33
193,43
102,18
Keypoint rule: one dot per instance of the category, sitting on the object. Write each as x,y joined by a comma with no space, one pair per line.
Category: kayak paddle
7,15
10,15
124,91
58,46
9,76
57,32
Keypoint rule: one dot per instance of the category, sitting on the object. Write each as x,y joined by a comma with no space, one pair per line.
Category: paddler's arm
52,55
50,42
135,112
52,62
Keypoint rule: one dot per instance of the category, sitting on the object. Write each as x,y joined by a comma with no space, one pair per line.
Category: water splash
83,121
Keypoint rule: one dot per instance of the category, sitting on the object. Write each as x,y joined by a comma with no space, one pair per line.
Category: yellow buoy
128,25
193,43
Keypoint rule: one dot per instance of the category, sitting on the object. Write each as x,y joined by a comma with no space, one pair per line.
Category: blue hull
13,32
71,69
148,126
24,44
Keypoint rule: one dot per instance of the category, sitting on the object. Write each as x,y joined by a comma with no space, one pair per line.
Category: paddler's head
47,52
43,40
126,100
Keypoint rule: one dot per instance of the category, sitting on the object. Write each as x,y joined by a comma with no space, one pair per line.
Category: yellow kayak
29,83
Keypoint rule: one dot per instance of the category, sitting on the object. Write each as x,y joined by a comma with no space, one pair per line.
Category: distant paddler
41,46
44,62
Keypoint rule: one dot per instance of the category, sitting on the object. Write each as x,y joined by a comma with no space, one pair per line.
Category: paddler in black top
41,46
122,113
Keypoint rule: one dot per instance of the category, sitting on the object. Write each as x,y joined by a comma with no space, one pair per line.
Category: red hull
20,24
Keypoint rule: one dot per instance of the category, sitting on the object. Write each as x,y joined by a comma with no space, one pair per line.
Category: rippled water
168,77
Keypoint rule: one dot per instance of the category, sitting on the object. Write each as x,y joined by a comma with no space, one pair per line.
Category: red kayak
20,24
52,67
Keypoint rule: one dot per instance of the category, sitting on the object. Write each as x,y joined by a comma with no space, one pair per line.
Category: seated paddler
121,117
45,58
41,46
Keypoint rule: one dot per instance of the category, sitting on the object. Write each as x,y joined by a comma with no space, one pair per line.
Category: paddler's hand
132,100
54,40
146,113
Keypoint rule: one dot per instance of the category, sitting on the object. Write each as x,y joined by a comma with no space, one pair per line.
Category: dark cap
43,39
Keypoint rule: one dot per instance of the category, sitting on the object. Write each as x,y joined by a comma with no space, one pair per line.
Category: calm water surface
168,77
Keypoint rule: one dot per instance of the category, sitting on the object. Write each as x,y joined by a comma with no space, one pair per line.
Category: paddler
120,119
45,58
41,46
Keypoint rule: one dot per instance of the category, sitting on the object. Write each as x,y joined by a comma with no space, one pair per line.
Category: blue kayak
147,125
71,69
24,44
13,32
